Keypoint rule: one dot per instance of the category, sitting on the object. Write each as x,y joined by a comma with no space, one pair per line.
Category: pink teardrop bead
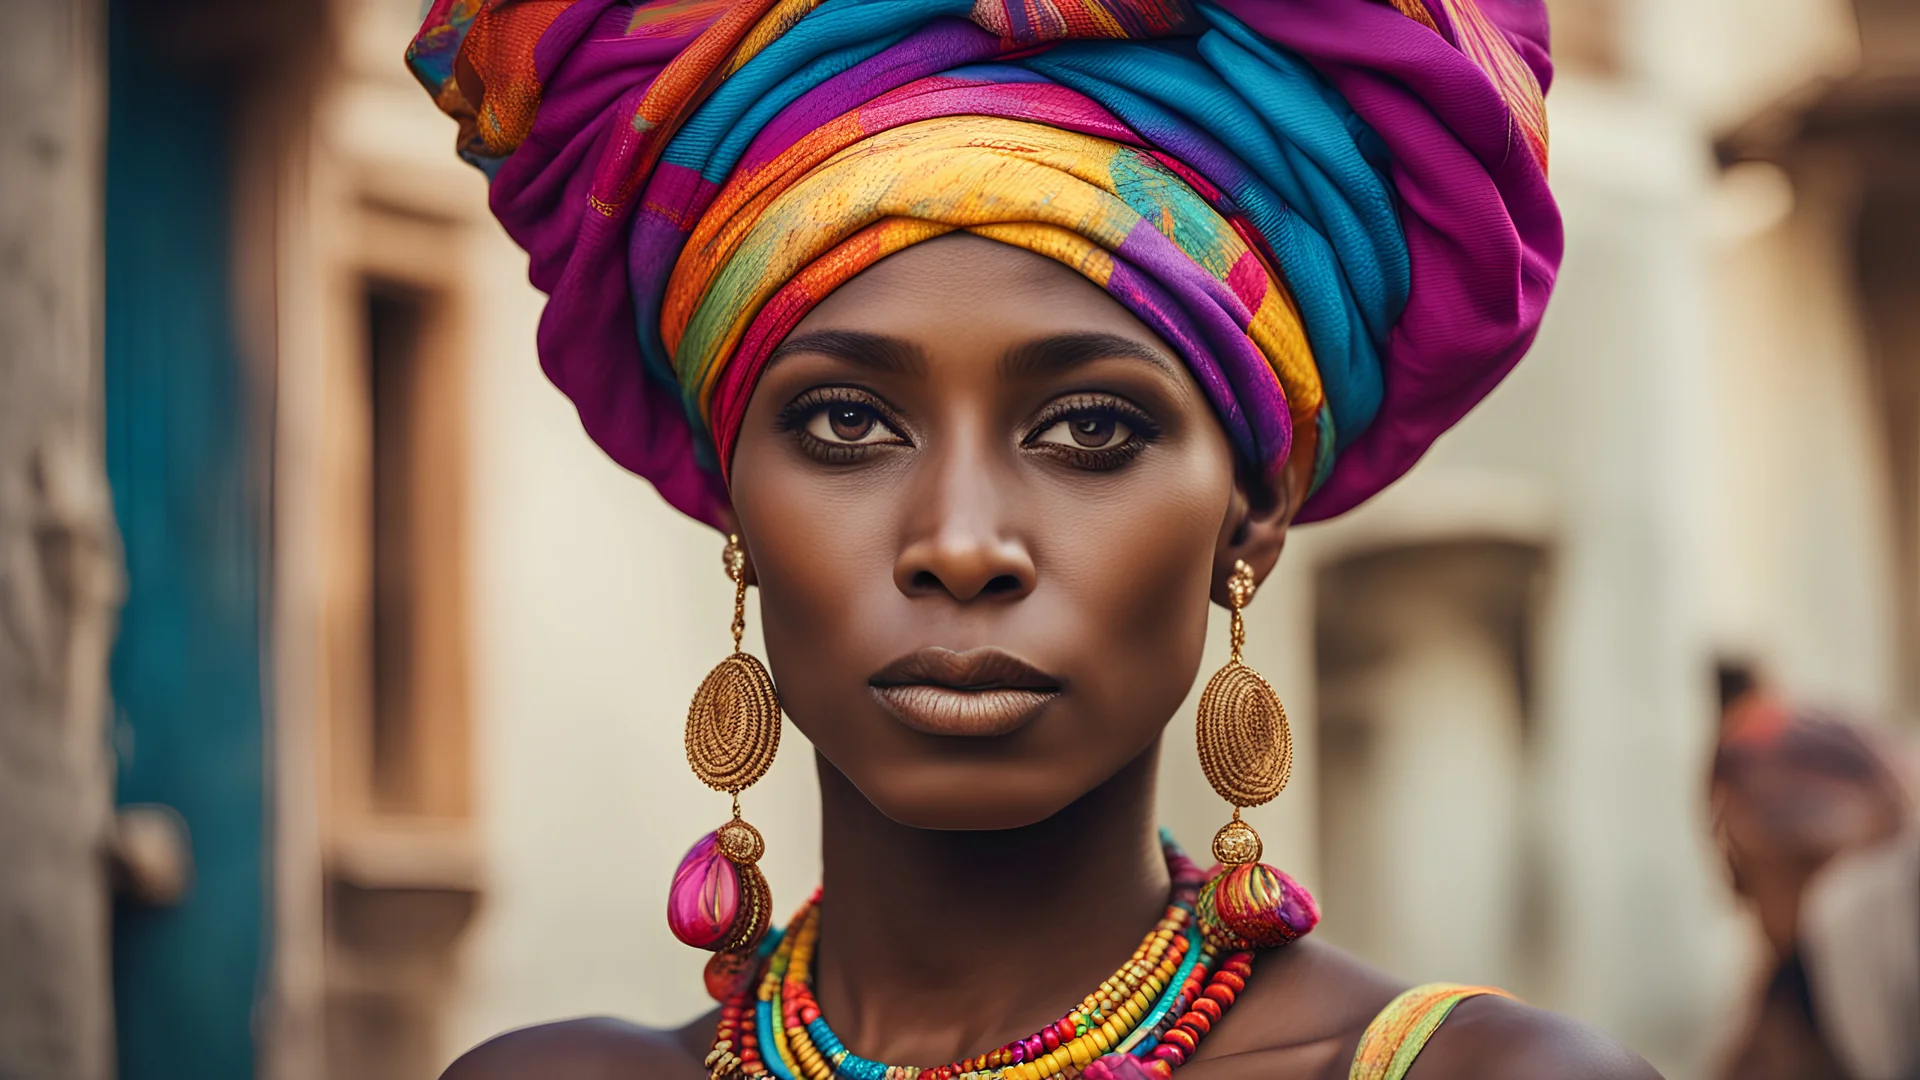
705,897
1257,906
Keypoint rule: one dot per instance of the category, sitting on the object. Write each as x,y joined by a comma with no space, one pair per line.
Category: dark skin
1780,818
1051,482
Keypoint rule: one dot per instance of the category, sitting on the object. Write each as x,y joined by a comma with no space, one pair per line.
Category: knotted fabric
1335,211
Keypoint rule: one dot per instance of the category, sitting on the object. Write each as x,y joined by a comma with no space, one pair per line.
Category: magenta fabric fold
1482,228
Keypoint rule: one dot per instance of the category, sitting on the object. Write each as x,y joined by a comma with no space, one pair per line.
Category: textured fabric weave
1396,1037
1335,211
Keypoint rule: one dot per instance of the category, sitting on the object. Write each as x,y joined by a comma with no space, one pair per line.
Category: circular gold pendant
733,726
1236,843
1246,747
740,842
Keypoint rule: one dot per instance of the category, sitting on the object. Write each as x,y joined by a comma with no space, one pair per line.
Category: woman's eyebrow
875,351
1063,352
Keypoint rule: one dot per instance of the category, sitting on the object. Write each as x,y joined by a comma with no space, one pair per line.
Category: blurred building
412,665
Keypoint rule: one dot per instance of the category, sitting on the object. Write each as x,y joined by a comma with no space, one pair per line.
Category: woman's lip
942,710
979,692
974,669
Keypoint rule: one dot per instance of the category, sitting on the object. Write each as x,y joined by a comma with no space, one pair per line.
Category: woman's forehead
968,282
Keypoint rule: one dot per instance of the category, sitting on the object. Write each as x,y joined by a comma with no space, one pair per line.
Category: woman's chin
947,799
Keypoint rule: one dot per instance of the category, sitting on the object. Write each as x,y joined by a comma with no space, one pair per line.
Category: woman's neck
939,945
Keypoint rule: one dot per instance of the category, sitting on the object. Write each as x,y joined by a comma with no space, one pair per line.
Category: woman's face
985,508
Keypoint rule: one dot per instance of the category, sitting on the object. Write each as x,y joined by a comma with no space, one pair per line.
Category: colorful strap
1401,1031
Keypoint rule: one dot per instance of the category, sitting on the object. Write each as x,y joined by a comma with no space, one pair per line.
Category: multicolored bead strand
1153,1011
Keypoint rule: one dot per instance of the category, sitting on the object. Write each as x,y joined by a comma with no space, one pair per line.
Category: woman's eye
848,424
1089,432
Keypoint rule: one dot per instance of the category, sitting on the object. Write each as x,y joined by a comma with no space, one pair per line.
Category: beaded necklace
1154,1010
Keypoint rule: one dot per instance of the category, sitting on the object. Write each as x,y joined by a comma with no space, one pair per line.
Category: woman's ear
1256,527
729,525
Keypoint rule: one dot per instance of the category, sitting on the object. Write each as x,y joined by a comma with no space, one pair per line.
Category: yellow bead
1078,1051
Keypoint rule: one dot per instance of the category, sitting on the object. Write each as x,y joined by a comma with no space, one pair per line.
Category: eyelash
798,416
800,413
1094,407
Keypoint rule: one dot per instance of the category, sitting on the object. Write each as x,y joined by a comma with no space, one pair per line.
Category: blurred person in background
1792,792
1860,942
1001,338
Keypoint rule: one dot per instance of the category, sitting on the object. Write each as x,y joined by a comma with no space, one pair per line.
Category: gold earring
1246,747
719,899
733,726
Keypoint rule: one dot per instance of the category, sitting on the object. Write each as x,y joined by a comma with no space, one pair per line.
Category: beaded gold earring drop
1246,750
719,899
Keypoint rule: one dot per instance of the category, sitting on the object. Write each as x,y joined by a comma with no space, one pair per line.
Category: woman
1791,793
1004,336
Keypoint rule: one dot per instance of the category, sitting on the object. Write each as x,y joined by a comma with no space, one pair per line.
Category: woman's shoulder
589,1048
1307,1007
1497,1038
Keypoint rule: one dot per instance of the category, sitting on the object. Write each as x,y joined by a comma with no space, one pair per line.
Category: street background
393,662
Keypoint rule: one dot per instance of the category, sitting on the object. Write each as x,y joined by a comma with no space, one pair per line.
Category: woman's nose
960,540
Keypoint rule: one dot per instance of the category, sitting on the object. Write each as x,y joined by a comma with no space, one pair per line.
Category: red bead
1220,994
1179,1036
1160,1068
1050,1039
1064,1028
1230,980
1195,1022
1207,1007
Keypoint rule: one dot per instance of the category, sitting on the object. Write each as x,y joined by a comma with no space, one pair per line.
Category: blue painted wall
185,469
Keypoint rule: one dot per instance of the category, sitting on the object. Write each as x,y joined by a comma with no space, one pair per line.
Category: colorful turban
1335,211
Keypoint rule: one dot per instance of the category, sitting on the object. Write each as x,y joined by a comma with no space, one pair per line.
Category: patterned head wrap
1335,211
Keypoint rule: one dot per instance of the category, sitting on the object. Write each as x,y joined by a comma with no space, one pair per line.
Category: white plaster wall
1717,60
598,610
1800,473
